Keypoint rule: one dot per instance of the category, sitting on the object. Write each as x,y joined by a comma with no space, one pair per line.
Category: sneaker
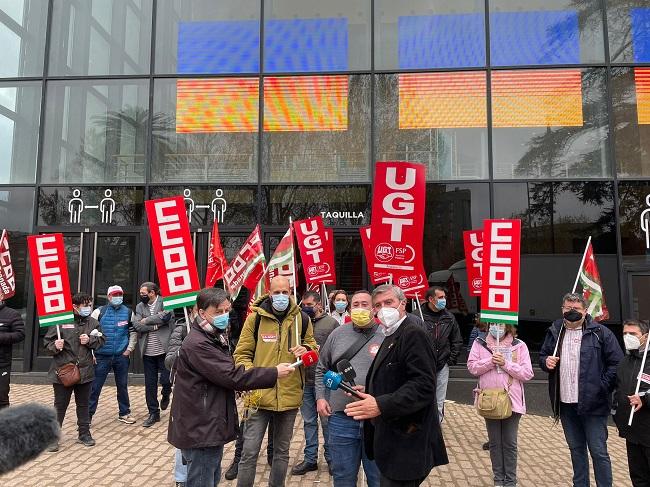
153,418
127,418
180,484
233,470
54,447
486,445
86,439
164,402
303,467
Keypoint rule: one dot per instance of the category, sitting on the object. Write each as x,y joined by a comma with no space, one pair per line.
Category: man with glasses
581,357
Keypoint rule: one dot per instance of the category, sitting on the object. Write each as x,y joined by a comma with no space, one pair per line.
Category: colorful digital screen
537,98
534,38
640,20
442,100
218,47
217,105
305,103
642,82
441,41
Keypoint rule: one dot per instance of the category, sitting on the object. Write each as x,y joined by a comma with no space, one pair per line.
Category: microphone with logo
334,381
345,368
25,432
307,359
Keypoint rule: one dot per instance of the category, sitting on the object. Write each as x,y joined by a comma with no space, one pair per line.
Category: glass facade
261,110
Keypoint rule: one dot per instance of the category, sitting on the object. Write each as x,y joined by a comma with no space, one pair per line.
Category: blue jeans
582,432
346,448
310,417
119,364
154,365
203,466
180,470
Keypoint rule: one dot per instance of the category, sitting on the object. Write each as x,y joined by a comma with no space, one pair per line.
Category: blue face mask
340,306
441,303
220,322
310,310
85,311
117,300
280,302
496,332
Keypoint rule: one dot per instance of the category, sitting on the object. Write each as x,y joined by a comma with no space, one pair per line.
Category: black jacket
204,412
12,330
445,336
405,440
626,377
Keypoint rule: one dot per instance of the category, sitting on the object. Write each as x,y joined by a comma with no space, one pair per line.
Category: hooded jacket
12,330
445,336
271,347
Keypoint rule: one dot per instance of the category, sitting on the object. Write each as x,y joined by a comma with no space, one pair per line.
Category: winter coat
323,326
175,341
517,368
117,328
204,412
12,330
73,351
445,336
626,378
600,354
405,440
271,347
144,322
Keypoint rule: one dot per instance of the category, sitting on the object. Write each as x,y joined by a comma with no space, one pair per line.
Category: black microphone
334,381
25,432
344,367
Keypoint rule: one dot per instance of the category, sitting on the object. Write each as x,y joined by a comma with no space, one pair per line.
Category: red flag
282,262
247,267
473,240
592,288
217,263
7,277
316,251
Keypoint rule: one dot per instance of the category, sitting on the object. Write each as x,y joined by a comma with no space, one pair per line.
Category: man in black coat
12,330
401,429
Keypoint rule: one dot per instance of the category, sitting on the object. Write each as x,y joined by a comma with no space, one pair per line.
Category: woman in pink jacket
504,366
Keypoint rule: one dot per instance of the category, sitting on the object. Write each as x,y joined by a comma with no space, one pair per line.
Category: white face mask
388,316
631,342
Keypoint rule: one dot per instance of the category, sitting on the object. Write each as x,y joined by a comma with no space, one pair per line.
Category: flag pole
295,284
638,379
419,306
187,319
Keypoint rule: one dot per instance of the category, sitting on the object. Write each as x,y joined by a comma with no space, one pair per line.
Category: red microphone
307,359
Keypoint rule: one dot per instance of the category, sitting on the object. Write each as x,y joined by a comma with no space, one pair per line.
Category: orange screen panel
642,81
442,100
217,105
305,103
537,98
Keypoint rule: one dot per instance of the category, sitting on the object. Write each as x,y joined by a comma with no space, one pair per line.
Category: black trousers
386,482
5,375
638,460
62,397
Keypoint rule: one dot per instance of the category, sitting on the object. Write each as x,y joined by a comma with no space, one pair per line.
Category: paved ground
131,455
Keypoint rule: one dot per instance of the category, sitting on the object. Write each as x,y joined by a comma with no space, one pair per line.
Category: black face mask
144,298
310,310
572,316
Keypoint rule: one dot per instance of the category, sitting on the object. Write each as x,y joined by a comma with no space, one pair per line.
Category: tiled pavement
133,455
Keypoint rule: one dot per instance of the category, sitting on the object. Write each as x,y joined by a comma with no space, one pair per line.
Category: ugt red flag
282,262
173,251
592,288
247,268
473,242
316,252
7,277
217,263
50,275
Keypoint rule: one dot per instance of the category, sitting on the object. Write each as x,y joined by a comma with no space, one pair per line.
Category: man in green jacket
275,332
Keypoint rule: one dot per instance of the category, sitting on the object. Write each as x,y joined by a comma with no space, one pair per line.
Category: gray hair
574,298
384,288
640,324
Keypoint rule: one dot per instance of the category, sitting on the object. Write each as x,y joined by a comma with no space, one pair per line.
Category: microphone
334,381
307,359
25,432
344,367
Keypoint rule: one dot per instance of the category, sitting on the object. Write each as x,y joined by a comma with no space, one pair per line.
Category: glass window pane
631,106
545,32
100,37
204,36
439,119
628,23
634,209
550,123
20,106
95,133
22,37
424,34
316,127
205,130
313,35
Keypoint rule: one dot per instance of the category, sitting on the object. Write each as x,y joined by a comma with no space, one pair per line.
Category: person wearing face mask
501,361
358,344
339,307
637,436
581,378
121,338
12,330
401,429
75,346
323,325
275,331
446,338
200,425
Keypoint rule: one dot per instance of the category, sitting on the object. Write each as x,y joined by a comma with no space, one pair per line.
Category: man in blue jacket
582,376
121,338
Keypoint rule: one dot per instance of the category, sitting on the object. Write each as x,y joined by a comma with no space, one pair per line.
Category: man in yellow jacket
276,331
